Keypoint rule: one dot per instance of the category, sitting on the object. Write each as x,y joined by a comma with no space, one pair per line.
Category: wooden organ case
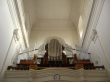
50,61
60,59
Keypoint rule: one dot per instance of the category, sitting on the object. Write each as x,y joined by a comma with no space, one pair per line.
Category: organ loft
54,56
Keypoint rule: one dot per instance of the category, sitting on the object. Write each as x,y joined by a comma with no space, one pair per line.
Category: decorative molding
94,34
14,13
92,23
17,25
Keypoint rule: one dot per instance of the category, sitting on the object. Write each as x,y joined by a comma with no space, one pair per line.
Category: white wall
6,33
85,9
39,37
100,48
8,43
56,28
49,18
75,11
29,15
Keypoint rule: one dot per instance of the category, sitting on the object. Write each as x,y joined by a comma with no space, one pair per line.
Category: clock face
56,77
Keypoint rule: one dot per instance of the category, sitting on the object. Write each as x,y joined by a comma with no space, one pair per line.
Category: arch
62,41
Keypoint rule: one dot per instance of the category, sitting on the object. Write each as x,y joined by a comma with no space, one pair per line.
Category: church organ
54,61
55,57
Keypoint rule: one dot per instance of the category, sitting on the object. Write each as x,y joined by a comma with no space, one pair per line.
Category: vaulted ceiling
64,12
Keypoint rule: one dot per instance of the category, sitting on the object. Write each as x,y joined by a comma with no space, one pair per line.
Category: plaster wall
7,43
54,28
100,46
10,41
75,11
85,10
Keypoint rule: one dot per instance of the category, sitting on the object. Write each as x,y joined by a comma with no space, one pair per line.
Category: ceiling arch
52,10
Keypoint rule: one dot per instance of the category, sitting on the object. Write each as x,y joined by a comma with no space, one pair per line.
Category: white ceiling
52,10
